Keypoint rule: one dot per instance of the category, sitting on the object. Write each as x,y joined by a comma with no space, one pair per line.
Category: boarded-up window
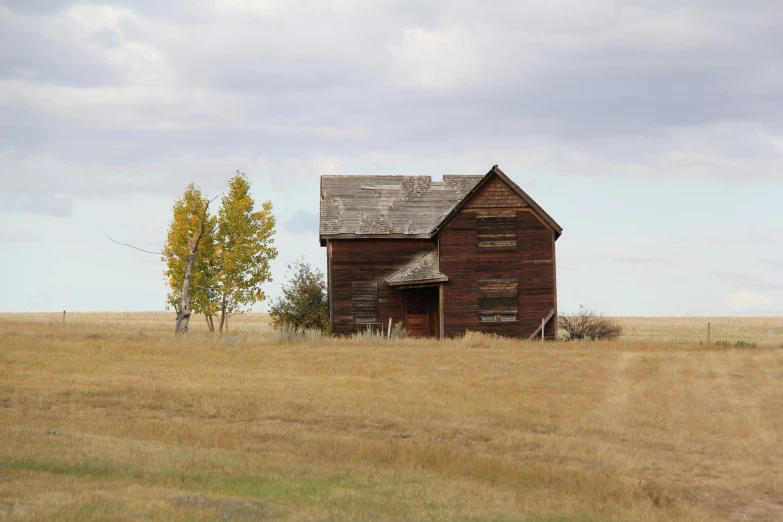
365,303
498,300
496,231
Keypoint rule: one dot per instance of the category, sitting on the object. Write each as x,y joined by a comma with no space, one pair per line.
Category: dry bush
480,340
369,335
398,331
289,334
589,325
380,334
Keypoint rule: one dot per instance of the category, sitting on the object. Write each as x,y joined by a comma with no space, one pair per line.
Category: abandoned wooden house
467,253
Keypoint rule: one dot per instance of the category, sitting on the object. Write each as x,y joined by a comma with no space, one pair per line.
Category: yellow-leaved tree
244,249
190,254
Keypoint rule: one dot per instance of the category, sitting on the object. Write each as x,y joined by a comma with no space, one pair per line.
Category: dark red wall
532,264
355,260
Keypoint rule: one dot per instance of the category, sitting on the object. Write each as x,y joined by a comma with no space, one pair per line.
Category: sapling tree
245,239
190,256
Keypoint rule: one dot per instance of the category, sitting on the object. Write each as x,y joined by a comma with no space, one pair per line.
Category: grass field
761,330
115,419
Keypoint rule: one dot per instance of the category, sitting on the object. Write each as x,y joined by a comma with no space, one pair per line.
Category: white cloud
95,17
436,59
775,140
283,8
135,59
259,8
745,301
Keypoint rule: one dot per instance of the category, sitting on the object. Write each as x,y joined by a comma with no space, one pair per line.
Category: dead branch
131,246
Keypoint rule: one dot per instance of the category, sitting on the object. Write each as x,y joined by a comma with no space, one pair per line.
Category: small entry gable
420,271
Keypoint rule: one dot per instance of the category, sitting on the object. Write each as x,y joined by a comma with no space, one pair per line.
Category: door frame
439,301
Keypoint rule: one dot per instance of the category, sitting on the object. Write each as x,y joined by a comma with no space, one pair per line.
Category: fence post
63,321
543,326
708,333
388,332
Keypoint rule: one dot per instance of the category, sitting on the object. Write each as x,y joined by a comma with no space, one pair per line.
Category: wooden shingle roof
422,270
403,206
389,206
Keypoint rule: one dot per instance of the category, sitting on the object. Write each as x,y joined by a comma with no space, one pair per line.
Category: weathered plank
466,264
369,261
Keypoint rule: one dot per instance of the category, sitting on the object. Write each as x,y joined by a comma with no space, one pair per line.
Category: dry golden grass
132,322
760,330
106,423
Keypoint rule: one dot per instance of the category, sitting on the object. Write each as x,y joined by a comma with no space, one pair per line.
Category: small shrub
230,341
479,339
369,335
736,344
304,304
398,332
588,325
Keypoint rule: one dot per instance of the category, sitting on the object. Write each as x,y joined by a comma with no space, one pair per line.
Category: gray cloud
303,222
117,104
42,204
37,50
134,95
38,6
15,237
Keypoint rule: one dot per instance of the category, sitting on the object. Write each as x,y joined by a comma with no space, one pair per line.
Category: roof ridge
399,175
351,204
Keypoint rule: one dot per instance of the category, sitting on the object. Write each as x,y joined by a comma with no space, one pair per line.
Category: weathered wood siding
495,194
532,264
369,260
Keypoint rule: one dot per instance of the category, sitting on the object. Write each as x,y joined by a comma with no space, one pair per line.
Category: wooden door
421,312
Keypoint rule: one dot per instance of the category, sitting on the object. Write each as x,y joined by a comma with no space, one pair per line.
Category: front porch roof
422,270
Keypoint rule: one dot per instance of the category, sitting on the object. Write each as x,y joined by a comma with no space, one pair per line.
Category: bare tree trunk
223,316
183,317
211,324
183,314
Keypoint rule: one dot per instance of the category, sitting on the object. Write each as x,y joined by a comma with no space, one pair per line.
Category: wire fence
716,330
130,322
763,331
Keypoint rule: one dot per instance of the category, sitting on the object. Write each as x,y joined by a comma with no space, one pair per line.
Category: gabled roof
558,230
388,206
402,206
422,270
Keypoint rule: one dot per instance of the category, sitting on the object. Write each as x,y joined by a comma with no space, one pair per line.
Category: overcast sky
652,131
